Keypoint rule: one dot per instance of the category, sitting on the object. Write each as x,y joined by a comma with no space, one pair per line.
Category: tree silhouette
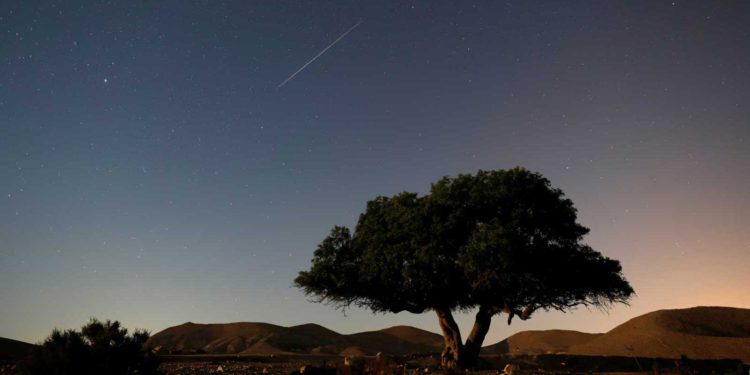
498,241
99,348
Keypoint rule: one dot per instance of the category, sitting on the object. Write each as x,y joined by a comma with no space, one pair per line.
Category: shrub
99,348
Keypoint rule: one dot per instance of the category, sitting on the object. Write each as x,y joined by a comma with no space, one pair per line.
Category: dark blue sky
152,172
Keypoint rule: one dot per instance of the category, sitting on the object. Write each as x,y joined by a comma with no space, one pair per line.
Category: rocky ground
7,367
516,365
227,367
294,365
521,365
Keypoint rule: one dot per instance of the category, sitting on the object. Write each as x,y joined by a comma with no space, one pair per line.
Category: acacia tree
496,242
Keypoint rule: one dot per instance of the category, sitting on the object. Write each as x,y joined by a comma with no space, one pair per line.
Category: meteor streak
318,55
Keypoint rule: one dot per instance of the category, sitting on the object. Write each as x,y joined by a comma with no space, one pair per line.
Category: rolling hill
699,333
265,339
12,349
540,342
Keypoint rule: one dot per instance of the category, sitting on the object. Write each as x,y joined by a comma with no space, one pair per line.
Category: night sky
151,170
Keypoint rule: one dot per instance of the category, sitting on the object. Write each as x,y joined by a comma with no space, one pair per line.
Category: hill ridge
308,338
701,332
12,349
705,332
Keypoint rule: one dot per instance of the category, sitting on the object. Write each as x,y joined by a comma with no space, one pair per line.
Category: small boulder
510,369
352,366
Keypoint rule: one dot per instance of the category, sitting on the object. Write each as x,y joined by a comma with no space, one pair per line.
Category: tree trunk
455,353
470,355
453,347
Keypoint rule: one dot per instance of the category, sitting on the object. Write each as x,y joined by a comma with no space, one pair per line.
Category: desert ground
429,364
700,340
420,365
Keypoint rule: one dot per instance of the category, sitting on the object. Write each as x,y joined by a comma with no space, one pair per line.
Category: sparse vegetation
99,348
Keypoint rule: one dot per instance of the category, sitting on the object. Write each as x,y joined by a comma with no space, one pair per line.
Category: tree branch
522,314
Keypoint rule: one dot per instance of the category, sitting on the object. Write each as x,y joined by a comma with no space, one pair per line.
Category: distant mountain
12,349
415,335
264,339
398,340
540,342
699,333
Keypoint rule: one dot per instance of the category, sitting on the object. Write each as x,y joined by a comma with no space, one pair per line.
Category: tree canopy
496,241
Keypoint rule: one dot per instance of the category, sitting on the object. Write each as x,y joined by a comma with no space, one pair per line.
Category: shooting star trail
318,55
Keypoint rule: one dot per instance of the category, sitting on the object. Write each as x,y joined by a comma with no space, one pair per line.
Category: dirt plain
429,364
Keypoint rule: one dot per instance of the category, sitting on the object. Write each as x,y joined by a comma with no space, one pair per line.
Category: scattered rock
511,369
353,366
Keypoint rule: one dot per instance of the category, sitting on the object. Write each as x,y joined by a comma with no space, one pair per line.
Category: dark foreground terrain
234,364
428,364
521,364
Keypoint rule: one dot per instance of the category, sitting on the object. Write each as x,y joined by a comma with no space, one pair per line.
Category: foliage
500,241
99,348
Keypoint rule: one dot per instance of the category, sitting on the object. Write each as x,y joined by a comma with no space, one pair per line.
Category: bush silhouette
99,348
